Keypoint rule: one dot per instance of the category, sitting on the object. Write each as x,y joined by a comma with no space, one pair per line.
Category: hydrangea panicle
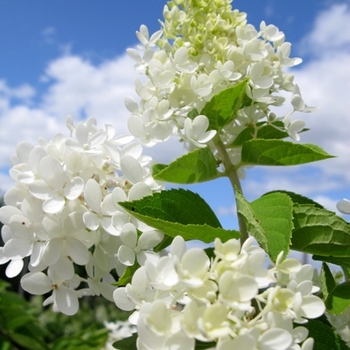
65,203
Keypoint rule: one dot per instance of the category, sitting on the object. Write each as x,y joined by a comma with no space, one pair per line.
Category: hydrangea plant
94,199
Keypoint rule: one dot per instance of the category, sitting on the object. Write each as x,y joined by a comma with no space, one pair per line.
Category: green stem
231,173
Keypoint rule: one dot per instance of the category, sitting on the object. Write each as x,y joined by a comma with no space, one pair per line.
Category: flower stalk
231,173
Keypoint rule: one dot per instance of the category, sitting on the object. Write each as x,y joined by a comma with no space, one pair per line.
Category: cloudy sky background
64,57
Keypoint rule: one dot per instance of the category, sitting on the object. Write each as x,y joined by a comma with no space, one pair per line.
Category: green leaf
327,281
343,262
28,342
268,131
280,152
338,299
200,345
324,336
157,168
126,343
245,210
127,276
274,212
174,205
223,107
320,232
179,212
18,321
298,198
269,220
193,113
196,166
130,344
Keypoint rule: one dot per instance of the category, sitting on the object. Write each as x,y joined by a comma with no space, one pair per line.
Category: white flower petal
93,195
63,268
108,208
312,307
52,172
106,290
52,251
66,300
17,248
23,150
97,139
52,226
198,255
77,251
14,268
36,283
107,224
131,168
150,239
275,339
6,212
91,220
40,189
126,255
74,188
53,205
138,191
81,133
343,206
121,300
130,102
128,235
240,289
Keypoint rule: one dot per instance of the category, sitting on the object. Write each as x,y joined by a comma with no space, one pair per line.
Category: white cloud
325,83
330,32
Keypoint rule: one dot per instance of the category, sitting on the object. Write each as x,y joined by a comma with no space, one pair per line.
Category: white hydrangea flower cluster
63,211
203,48
231,299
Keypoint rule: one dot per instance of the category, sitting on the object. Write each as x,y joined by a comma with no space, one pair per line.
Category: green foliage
298,198
338,299
179,212
264,131
26,325
127,276
343,262
321,232
130,344
126,343
280,152
269,220
324,336
19,328
223,107
327,281
196,166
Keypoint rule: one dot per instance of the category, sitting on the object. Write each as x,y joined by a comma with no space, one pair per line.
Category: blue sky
68,57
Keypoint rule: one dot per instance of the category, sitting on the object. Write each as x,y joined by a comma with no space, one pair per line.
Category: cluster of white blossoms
203,48
63,211
231,299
